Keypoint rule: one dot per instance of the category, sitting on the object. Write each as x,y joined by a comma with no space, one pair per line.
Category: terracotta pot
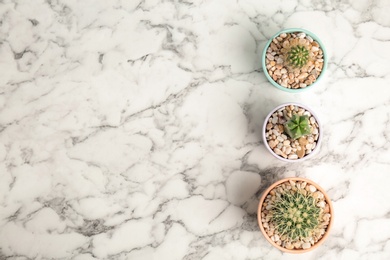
295,251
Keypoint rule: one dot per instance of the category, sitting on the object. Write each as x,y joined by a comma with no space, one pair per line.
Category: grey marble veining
132,129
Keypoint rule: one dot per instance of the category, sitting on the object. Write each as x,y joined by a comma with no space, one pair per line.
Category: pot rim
290,30
316,149
295,251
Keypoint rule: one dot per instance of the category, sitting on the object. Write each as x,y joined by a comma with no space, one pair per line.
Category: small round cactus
298,56
297,126
295,214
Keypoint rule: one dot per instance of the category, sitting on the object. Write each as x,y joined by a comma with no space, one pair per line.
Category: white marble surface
131,129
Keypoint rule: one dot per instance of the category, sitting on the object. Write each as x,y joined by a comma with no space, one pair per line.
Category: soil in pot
295,215
294,60
284,145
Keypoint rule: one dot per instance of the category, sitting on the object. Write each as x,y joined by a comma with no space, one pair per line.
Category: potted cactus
292,132
294,59
295,215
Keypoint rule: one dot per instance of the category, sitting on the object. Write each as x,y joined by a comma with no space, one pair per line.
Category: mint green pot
290,30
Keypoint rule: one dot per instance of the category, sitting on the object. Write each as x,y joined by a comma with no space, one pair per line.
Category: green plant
295,215
298,56
297,126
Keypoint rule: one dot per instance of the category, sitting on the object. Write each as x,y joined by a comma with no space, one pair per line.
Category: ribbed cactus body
295,214
297,126
298,56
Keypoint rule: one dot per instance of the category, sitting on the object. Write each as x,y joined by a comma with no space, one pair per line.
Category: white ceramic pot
314,151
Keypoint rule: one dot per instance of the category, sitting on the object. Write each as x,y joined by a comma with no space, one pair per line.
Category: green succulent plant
295,215
298,56
297,126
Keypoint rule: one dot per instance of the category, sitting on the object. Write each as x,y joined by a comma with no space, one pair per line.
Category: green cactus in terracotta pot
296,215
297,126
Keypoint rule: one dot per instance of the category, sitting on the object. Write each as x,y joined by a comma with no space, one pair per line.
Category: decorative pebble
303,76
326,209
321,204
293,157
298,244
277,151
306,245
270,57
326,217
312,188
303,141
301,153
289,246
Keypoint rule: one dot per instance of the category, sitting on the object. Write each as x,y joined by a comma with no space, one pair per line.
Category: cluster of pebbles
281,143
282,73
282,240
